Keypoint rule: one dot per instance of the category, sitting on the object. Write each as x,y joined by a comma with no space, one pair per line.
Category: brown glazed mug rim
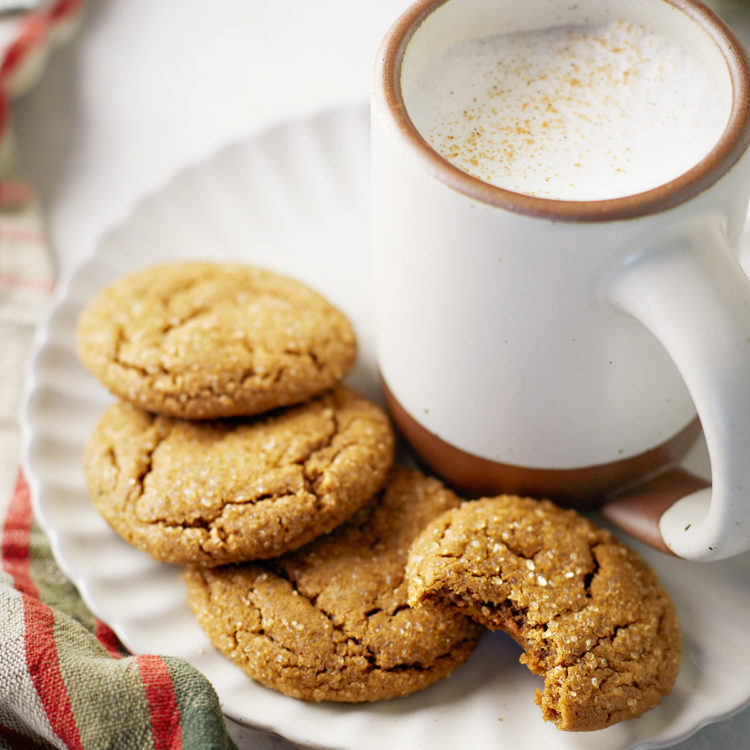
725,154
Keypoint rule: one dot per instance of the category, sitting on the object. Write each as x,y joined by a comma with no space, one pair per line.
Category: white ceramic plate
296,199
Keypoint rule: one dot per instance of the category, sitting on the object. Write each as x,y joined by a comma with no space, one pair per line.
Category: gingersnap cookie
214,492
208,340
330,622
591,615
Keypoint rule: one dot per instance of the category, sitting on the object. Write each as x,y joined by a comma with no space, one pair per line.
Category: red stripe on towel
106,636
21,234
33,33
16,537
44,669
39,638
65,8
13,193
16,282
162,702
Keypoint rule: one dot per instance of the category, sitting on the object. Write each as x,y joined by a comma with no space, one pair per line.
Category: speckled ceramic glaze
564,347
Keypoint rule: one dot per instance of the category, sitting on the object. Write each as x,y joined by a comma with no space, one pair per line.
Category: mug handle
691,292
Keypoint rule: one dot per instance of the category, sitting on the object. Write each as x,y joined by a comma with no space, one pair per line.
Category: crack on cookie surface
203,340
586,609
338,606
243,489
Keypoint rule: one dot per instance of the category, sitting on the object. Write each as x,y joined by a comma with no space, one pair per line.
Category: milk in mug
575,113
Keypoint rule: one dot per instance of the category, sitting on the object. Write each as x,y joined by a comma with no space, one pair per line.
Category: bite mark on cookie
589,613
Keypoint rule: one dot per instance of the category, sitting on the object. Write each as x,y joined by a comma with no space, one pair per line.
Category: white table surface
151,86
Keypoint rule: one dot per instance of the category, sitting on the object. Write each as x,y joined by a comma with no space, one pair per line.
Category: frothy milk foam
576,113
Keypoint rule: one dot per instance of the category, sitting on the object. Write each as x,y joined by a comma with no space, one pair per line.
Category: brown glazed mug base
584,488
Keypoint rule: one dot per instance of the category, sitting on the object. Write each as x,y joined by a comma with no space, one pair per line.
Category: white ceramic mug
562,348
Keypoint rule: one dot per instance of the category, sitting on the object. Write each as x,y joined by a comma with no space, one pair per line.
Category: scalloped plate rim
38,378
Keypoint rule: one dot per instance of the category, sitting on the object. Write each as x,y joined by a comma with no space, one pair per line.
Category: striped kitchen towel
65,681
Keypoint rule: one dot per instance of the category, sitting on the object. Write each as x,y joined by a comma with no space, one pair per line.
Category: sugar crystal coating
331,621
213,492
205,340
590,614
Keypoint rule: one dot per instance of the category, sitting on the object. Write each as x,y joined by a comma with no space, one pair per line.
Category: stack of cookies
312,562
235,444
